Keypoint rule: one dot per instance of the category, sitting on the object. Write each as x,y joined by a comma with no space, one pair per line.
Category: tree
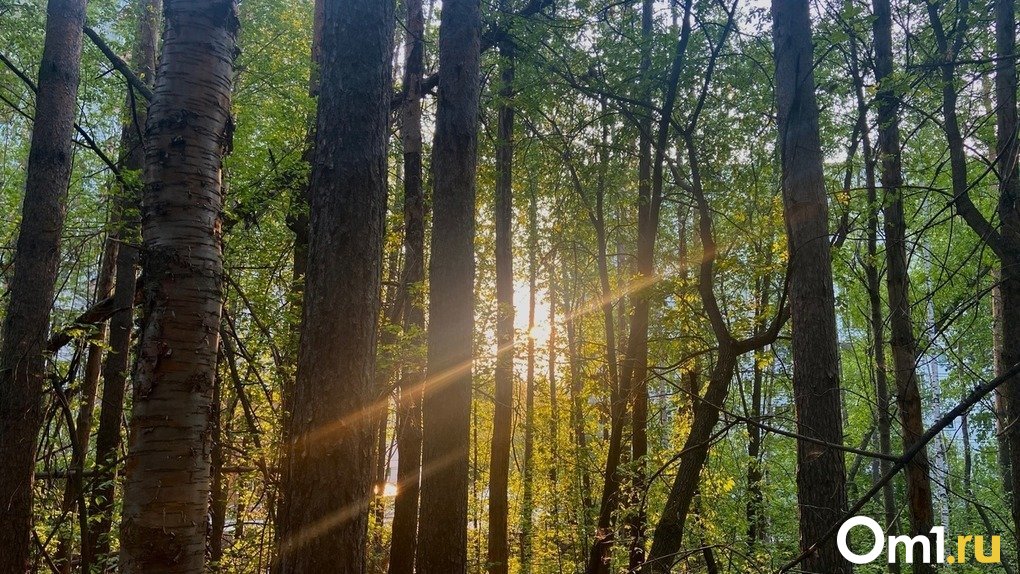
409,438
527,521
669,532
873,284
26,322
188,132
821,473
446,412
1007,144
502,423
335,400
96,547
1004,242
903,343
634,370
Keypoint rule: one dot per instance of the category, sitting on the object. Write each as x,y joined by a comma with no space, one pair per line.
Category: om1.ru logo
910,545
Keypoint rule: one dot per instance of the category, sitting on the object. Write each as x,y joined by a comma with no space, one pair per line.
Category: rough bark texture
1007,156
166,487
502,423
821,471
442,545
903,342
37,256
335,406
108,435
409,436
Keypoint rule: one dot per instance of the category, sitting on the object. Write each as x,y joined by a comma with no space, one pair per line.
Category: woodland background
634,259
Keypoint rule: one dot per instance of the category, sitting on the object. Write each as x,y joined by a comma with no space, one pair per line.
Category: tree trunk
36,259
577,420
668,537
298,223
218,494
873,285
903,342
187,133
632,386
447,403
409,436
336,404
821,471
502,423
1007,156
73,489
528,463
1001,394
554,430
636,359
1005,243
756,509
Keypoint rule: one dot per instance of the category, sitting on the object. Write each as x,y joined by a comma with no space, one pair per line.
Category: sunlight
540,332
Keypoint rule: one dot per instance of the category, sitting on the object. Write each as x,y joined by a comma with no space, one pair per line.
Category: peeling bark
167,482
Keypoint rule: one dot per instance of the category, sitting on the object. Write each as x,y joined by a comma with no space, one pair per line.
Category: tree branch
972,399
119,64
94,315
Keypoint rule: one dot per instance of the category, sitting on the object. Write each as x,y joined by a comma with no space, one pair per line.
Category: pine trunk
821,471
36,261
336,404
442,545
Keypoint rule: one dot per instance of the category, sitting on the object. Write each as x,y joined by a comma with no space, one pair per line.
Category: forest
509,286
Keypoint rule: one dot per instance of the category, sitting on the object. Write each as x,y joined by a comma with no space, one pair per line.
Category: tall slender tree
502,423
36,261
442,547
409,438
527,522
96,547
336,402
821,471
903,342
1007,144
1004,242
188,131
634,368
873,284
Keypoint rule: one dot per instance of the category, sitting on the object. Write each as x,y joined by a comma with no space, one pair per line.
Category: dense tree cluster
528,286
